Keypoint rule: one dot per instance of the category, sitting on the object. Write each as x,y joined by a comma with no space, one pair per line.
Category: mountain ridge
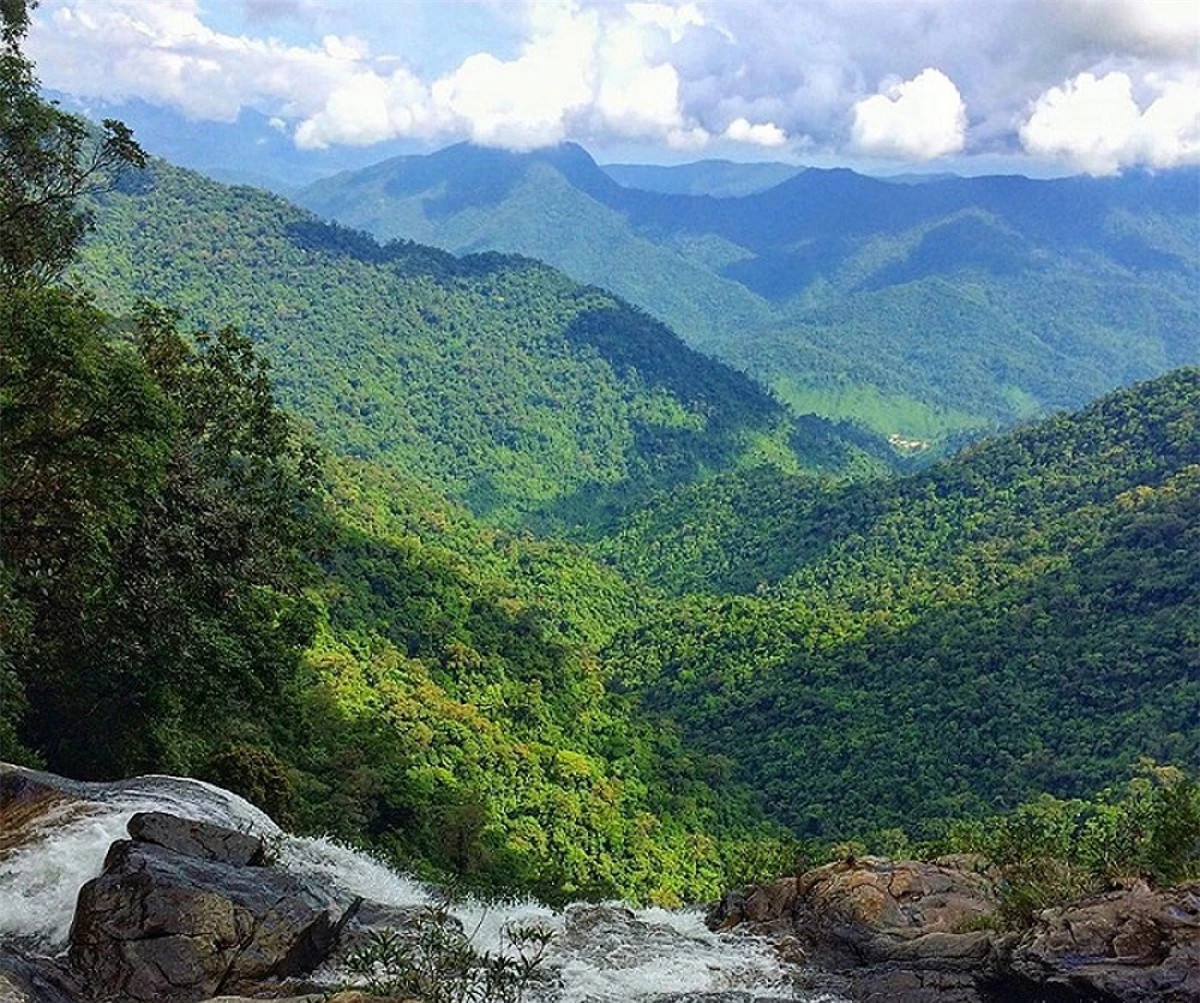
495,378
925,310
1018,618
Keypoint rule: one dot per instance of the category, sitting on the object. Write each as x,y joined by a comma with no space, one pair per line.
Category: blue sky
1038,86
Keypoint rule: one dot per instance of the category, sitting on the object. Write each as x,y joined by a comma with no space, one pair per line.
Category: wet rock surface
25,979
27,799
914,932
198,839
187,917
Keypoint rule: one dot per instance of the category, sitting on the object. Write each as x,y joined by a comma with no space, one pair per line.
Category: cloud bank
1099,85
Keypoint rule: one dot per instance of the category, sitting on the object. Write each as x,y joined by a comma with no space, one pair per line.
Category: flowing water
600,954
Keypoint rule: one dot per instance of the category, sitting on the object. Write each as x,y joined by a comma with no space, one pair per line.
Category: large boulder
870,911
184,911
1134,945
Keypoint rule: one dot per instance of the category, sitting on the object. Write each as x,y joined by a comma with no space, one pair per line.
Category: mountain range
795,610
492,378
461,559
923,310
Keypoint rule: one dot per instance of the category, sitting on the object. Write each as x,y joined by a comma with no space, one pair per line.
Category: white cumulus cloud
525,102
163,53
917,119
678,73
741,130
369,108
1096,124
675,20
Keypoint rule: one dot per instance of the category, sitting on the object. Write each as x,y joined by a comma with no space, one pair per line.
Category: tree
158,507
48,160
157,504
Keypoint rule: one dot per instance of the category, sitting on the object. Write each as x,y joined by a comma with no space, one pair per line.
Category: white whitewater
599,956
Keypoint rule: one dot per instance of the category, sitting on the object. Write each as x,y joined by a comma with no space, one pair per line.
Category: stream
608,953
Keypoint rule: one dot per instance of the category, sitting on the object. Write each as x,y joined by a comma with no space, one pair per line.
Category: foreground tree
48,160
156,502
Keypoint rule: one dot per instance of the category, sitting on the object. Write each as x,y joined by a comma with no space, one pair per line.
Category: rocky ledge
917,932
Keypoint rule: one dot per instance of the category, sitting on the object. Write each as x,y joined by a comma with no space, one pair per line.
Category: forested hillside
252,573
190,584
189,587
494,379
923,310
1021,618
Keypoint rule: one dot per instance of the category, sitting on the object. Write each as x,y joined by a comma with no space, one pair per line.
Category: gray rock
1133,945
198,839
164,925
26,979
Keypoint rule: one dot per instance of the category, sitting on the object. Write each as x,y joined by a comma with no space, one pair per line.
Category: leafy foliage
47,160
495,380
1021,618
1050,851
154,505
458,716
437,963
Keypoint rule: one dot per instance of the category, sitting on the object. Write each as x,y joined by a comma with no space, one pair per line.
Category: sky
1030,86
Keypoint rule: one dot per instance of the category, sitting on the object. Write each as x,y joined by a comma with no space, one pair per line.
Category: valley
764,583
926,311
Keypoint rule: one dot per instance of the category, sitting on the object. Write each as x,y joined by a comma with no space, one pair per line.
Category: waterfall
601,954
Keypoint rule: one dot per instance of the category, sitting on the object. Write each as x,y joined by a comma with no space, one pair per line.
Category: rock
362,918
582,918
27,800
1131,945
349,996
168,921
198,839
892,985
912,932
900,931
870,911
25,979
310,998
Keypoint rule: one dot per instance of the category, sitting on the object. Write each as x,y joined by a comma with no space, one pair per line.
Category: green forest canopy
926,311
190,583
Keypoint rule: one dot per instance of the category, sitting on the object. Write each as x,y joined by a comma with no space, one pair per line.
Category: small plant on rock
437,963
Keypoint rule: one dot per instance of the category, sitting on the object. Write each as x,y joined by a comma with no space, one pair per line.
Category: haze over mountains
253,150
719,178
921,309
